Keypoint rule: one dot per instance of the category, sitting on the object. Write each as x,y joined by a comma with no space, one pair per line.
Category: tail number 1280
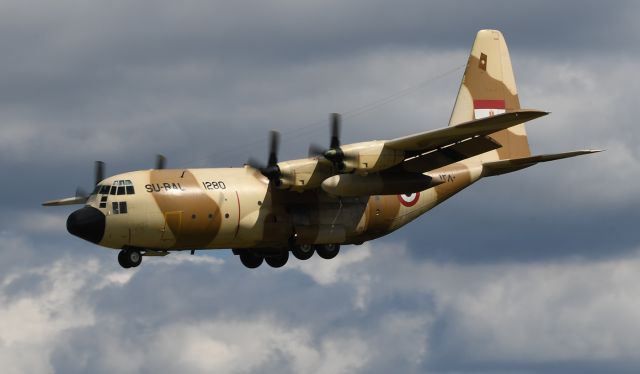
219,185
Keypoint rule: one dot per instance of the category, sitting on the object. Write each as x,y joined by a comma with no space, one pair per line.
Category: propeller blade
161,162
335,130
271,170
255,164
99,172
81,193
273,148
316,150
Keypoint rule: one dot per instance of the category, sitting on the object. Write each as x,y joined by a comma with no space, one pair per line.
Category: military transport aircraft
343,194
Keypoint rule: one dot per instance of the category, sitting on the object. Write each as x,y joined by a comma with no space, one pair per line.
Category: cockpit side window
104,190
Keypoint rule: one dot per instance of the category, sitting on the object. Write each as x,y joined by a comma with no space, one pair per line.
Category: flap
449,155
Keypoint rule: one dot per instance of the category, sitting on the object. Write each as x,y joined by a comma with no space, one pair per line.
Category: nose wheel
129,258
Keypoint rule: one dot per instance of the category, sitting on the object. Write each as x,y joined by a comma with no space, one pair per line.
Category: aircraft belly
328,222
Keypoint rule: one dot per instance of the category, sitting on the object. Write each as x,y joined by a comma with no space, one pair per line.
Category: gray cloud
548,253
354,314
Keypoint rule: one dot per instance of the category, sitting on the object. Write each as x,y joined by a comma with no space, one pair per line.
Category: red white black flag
487,108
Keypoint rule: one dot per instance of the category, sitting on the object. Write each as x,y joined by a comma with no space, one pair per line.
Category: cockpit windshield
119,187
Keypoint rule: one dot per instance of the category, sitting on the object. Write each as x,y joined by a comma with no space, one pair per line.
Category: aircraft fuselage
177,209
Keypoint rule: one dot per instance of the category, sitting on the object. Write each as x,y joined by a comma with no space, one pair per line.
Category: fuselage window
118,207
103,201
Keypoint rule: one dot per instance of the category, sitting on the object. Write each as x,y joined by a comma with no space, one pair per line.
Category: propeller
334,153
271,170
81,193
161,162
99,172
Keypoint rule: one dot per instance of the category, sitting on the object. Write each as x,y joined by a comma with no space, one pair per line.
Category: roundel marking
409,200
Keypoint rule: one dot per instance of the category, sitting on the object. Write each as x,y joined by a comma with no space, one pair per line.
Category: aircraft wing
436,148
66,201
430,140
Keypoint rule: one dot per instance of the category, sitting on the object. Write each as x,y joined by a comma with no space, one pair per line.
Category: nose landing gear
129,258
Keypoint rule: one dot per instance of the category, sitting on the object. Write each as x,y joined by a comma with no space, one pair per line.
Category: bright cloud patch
416,315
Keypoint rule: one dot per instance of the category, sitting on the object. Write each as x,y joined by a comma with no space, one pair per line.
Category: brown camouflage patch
199,216
381,212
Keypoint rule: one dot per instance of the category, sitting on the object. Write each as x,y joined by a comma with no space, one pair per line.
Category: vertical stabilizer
488,87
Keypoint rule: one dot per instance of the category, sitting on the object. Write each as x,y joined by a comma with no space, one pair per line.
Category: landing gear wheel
302,251
129,258
328,251
134,257
250,259
277,261
122,260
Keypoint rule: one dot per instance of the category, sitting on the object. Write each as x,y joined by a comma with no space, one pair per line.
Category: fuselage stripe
238,224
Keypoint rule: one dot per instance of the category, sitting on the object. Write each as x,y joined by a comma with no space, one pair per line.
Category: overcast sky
529,272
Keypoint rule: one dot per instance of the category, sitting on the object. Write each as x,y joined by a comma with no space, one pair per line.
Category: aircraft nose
87,223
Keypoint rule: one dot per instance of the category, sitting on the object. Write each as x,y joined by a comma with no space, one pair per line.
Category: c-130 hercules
345,194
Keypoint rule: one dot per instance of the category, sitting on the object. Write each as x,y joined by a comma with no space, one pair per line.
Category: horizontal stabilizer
426,141
507,166
66,201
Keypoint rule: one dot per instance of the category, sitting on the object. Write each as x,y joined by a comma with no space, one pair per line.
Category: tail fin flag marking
488,88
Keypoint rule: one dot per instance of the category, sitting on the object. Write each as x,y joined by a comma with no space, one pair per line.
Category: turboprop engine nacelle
370,157
349,185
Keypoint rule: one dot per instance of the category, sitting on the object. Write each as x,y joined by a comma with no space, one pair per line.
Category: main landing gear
253,258
129,258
